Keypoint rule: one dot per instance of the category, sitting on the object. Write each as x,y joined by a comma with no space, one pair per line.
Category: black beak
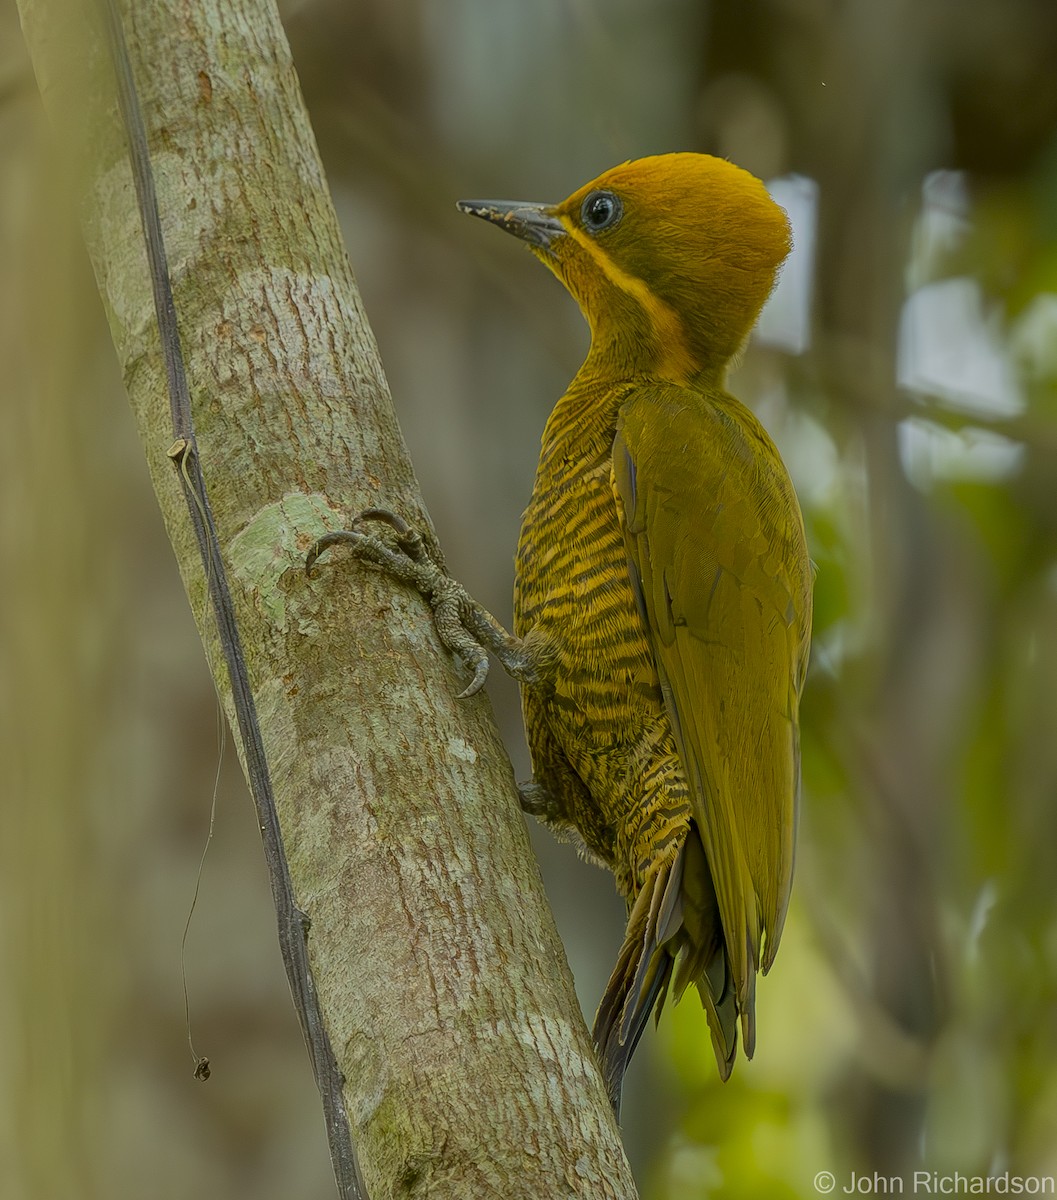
533,223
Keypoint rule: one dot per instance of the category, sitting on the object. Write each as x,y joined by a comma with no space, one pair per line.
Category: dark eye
600,210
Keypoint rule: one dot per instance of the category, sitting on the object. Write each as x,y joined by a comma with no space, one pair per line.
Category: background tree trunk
448,1002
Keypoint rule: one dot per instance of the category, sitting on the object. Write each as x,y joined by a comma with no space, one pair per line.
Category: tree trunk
449,1006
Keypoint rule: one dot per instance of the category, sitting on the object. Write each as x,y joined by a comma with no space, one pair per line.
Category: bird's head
670,258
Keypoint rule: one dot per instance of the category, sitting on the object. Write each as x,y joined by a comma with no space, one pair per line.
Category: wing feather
719,565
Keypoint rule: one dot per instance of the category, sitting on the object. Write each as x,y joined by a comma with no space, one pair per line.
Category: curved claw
480,674
408,538
387,517
325,542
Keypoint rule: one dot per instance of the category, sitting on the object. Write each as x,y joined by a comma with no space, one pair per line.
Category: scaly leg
466,628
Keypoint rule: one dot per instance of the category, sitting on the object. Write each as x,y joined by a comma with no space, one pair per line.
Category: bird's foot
465,627
540,803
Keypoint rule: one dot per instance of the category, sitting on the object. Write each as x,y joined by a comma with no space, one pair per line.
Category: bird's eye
601,210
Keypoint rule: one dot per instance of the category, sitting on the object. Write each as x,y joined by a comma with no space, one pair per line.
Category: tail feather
663,893
707,961
614,1050
640,976
674,937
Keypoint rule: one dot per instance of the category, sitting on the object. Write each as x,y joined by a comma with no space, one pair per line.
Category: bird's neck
620,360
636,336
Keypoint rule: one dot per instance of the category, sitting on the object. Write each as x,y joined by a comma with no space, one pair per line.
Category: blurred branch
466,1063
847,370
60,974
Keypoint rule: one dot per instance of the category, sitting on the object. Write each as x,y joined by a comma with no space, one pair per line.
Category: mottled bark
448,1002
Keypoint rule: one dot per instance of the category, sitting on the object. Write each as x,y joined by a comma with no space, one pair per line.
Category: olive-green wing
719,564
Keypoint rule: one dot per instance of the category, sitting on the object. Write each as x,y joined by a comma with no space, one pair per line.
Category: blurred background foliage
908,370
